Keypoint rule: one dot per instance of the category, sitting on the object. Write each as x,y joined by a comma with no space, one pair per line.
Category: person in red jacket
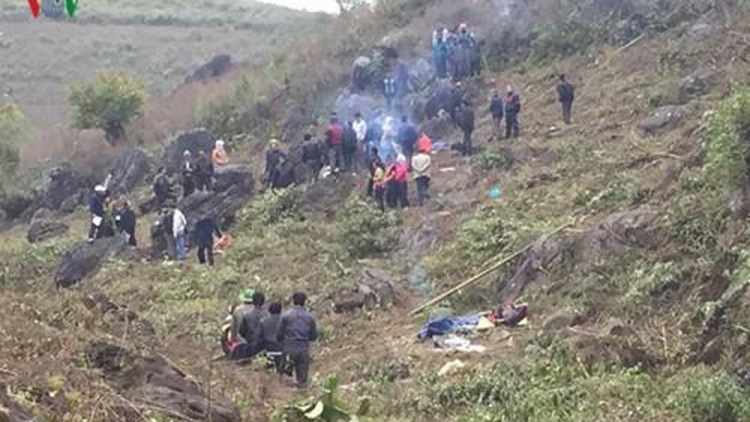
335,140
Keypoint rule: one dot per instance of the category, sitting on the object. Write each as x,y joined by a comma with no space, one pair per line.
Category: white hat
100,189
186,153
219,143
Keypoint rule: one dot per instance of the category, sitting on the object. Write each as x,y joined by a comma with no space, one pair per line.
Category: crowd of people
456,52
284,338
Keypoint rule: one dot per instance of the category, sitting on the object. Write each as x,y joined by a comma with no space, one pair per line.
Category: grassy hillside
661,294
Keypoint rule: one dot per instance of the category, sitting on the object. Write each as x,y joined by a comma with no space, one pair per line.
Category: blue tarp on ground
448,325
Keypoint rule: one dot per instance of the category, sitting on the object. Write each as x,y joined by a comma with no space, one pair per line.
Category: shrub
727,149
653,281
563,40
362,228
109,104
491,160
715,398
14,132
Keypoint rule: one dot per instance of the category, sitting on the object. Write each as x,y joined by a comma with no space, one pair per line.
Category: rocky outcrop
66,189
193,141
663,119
218,66
542,254
153,384
84,258
128,171
44,226
373,289
561,319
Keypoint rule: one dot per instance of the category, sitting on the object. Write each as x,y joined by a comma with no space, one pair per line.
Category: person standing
245,306
312,157
390,90
335,140
250,329
204,239
407,138
512,110
274,158
421,164
465,118
349,146
270,334
496,110
401,176
188,180
96,209
372,166
219,156
179,228
296,330
567,94
162,187
378,183
360,128
204,172
125,220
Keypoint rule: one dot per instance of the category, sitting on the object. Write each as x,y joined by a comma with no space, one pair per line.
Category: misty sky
312,5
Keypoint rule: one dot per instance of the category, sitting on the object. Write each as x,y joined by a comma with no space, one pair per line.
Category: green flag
70,6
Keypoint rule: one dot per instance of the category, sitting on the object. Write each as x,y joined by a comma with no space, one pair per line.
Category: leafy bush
715,398
653,281
491,160
563,40
272,208
108,104
14,132
727,149
362,228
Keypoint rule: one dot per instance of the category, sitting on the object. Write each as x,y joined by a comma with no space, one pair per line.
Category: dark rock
617,328
72,202
616,351
440,96
218,66
15,206
361,73
695,85
43,229
41,214
65,186
149,381
439,128
561,319
233,176
84,258
421,74
421,241
193,141
712,352
373,289
619,232
129,171
542,254
663,118
10,411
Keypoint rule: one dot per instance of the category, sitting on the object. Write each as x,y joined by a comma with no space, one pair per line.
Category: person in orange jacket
424,144
219,155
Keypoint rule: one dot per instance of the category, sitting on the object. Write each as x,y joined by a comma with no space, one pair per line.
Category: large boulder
233,176
541,255
84,258
128,171
218,66
561,320
661,120
421,74
441,96
65,187
193,141
44,226
361,73
374,288
153,384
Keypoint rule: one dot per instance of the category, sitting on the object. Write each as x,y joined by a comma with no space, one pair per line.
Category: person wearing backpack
567,94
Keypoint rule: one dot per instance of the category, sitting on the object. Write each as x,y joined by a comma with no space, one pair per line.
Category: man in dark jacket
250,329
296,331
126,222
349,146
312,156
390,90
407,138
205,229
465,117
204,172
512,110
162,187
566,93
274,158
270,333
496,110
96,209
167,232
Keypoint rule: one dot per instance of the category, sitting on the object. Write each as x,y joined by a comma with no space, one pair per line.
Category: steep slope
654,253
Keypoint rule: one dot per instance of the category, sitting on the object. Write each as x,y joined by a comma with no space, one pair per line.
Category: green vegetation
727,150
108,104
15,133
362,229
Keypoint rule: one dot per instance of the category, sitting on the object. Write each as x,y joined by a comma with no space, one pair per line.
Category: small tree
14,132
109,104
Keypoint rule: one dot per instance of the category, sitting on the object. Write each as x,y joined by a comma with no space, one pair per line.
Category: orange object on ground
223,243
